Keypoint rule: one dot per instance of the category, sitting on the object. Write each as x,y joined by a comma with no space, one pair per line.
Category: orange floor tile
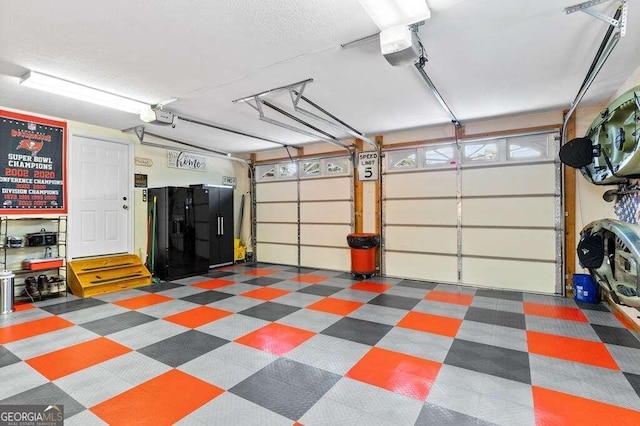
23,306
213,284
371,286
28,329
309,278
142,301
401,373
335,306
276,338
261,272
196,317
447,297
266,293
560,312
163,400
77,357
570,349
557,408
430,323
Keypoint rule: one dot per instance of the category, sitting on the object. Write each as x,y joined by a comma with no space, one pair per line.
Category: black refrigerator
181,235
220,224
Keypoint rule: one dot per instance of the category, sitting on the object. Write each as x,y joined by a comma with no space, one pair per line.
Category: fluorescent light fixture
391,13
58,86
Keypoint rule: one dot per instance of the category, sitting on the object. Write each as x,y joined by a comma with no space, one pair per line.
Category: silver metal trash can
6,292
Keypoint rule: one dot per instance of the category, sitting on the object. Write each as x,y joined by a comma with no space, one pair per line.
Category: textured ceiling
487,57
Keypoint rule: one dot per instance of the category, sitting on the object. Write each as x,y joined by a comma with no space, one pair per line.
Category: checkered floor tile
279,345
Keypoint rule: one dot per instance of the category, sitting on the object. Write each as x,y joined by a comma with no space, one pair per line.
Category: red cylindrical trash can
363,253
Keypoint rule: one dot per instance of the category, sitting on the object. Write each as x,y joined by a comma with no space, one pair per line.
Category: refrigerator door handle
221,226
219,231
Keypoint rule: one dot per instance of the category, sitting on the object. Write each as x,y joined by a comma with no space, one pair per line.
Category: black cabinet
220,224
181,240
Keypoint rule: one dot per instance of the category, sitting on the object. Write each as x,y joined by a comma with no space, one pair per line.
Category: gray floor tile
46,394
233,326
416,293
17,378
493,360
380,314
331,412
340,282
355,330
95,313
498,304
118,322
578,330
147,333
626,358
92,385
269,311
135,368
245,356
84,418
182,348
602,318
230,409
7,357
329,353
121,295
550,300
355,295
494,335
443,309
291,285
237,303
301,300
309,320
161,310
451,288
600,384
490,316
49,342
182,291
423,345
20,317
237,289
219,372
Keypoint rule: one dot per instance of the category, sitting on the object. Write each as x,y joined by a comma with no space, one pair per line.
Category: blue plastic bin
585,289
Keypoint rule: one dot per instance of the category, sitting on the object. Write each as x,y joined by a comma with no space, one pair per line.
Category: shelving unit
11,258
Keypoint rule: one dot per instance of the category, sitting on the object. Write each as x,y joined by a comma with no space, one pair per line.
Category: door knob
124,206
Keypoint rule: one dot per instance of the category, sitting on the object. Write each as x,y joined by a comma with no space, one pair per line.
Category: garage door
485,213
304,212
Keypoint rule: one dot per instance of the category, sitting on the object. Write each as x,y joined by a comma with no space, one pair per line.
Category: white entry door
100,198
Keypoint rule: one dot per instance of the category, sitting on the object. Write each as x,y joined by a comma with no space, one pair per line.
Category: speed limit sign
367,166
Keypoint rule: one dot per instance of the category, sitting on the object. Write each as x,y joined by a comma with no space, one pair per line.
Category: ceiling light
58,86
390,13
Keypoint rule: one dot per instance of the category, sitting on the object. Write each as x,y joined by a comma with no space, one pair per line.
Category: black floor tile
182,348
501,362
320,290
346,276
47,394
263,281
593,306
616,336
270,311
74,305
432,414
301,270
490,316
206,297
219,274
116,323
161,286
360,331
7,357
500,294
301,375
425,285
634,380
392,301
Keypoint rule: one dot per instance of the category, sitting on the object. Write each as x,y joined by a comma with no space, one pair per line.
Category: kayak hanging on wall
610,249
609,153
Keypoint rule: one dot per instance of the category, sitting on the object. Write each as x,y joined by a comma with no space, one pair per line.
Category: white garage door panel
427,184
277,233
421,266
522,211
276,253
324,235
277,212
431,239
326,211
276,191
326,258
421,212
518,243
325,189
531,179
508,274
